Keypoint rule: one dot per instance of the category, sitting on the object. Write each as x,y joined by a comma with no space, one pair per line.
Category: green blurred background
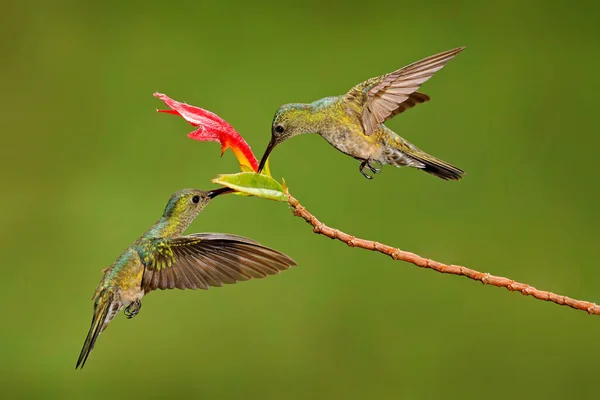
88,165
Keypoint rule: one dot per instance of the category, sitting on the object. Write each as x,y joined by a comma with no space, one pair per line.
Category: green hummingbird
353,122
164,259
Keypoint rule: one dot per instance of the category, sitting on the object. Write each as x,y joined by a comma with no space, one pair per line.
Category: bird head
186,204
289,121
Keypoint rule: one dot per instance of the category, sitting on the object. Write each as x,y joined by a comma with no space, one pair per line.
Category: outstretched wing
205,260
380,98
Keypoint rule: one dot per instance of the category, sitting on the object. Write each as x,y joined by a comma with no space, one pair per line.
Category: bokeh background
88,165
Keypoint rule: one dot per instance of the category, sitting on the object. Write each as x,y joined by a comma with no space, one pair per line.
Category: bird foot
374,169
362,170
367,164
133,309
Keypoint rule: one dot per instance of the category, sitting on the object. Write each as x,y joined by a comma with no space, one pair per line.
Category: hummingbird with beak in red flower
353,123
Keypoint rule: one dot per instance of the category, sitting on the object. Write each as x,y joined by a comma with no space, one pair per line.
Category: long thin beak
214,193
265,156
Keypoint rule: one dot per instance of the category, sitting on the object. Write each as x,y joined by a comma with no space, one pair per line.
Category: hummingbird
353,122
164,259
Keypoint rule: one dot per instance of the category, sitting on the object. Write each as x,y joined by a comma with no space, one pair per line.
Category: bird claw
374,169
133,309
367,163
362,169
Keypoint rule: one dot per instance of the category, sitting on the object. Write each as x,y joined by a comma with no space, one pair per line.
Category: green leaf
253,184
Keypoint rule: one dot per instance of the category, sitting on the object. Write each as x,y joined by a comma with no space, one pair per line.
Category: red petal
205,134
169,112
211,127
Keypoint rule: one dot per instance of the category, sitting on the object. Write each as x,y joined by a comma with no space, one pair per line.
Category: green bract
253,184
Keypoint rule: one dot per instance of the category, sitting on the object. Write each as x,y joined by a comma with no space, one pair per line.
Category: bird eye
279,129
196,199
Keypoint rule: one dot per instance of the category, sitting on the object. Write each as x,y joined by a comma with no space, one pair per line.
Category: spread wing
378,99
205,260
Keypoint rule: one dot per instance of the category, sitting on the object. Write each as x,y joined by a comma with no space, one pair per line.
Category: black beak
270,147
224,190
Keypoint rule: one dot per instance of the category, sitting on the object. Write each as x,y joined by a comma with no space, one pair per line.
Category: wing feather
379,99
201,261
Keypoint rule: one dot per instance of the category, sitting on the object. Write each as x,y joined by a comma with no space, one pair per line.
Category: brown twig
397,254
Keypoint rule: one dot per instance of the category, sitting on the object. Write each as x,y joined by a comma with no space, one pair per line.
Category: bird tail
404,153
105,309
437,167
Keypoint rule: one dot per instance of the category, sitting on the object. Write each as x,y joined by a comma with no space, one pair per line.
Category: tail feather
103,313
400,152
437,167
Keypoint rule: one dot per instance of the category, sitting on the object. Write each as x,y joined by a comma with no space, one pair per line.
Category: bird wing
378,99
202,260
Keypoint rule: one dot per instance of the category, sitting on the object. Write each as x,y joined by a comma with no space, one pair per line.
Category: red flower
211,127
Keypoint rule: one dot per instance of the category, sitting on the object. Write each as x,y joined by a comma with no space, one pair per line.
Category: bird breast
353,142
131,295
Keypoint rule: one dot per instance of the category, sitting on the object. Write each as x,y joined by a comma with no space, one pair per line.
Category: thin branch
397,254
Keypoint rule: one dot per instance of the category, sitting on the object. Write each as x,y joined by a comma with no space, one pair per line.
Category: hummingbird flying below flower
163,259
353,122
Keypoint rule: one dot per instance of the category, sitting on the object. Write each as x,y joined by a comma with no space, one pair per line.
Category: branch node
298,210
318,228
351,242
527,290
485,279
